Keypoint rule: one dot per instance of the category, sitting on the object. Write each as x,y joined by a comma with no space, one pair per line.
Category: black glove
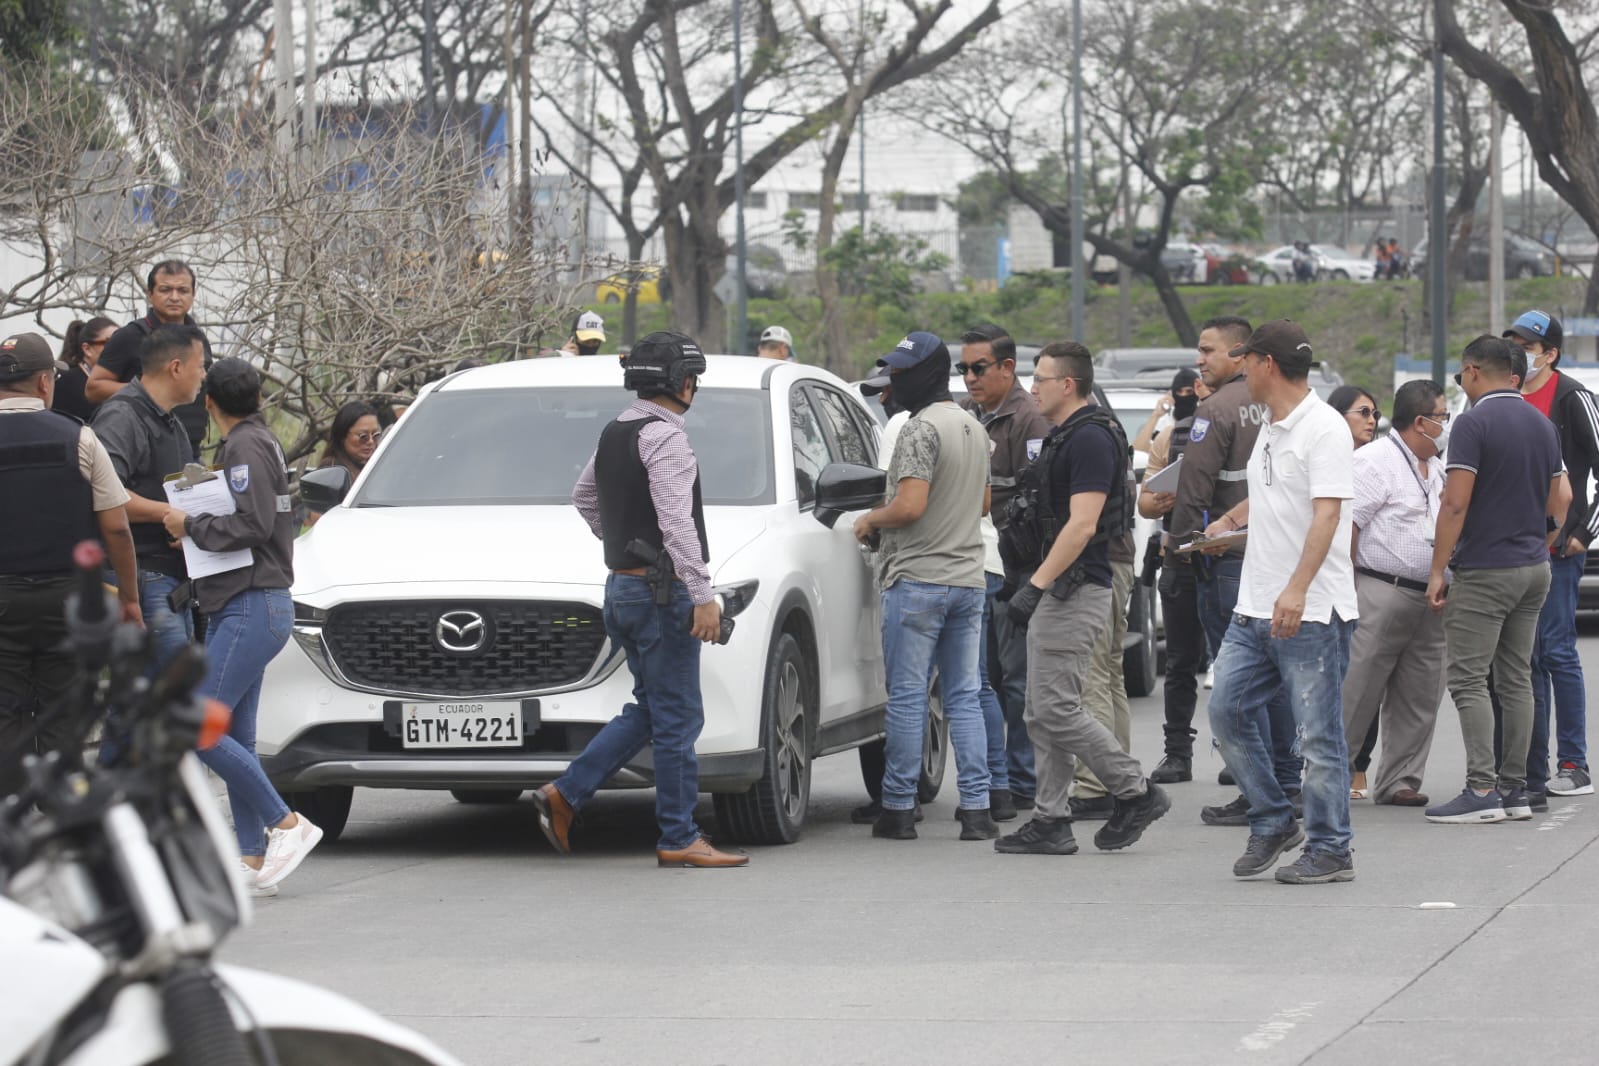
1006,591
1022,605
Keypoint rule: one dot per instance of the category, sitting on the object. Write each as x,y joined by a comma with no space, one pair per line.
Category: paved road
461,923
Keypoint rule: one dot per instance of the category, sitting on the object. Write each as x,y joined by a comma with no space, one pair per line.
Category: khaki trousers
1105,691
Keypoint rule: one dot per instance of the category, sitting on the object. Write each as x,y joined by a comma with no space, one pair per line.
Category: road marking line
1276,1028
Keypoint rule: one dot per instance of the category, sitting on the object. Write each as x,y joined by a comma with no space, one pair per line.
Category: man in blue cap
1556,668
930,569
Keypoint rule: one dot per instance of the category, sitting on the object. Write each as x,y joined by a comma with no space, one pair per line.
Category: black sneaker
1001,805
1023,800
1096,809
1172,769
1538,801
1132,817
1225,777
1317,868
1234,813
895,825
977,825
1518,808
1264,851
869,813
1041,836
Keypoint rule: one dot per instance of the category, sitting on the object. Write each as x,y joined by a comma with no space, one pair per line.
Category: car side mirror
324,488
847,487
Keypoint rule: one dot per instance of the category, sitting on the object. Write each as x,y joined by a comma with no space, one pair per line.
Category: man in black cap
641,490
1295,614
1179,595
59,489
1556,667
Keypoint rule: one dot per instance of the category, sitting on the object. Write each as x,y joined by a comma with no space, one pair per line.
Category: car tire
1269,277
1141,662
485,795
772,811
1340,275
1524,271
935,754
328,808
612,298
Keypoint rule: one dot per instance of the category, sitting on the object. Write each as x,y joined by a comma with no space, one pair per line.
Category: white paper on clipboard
1165,479
193,492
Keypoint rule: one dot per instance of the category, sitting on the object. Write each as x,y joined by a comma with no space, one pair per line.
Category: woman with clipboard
251,615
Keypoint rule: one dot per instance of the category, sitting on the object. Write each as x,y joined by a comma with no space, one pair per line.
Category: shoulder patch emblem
239,478
1201,427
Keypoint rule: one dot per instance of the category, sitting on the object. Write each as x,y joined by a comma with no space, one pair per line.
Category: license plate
461,725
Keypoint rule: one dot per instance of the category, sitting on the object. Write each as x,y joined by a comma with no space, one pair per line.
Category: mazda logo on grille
461,632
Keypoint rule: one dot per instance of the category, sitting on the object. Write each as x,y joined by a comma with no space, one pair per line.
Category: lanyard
1425,494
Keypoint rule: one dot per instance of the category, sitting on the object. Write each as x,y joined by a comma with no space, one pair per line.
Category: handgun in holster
658,573
1153,559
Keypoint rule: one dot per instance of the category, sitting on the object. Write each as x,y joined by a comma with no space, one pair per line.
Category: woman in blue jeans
250,615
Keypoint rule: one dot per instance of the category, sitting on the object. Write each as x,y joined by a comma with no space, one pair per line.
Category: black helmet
660,363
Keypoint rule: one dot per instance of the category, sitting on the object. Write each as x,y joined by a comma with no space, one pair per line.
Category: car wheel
1525,270
1268,277
1141,661
485,795
873,760
612,298
772,811
328,808
1340,275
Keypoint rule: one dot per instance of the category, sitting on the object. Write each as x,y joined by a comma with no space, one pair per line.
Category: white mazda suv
448,631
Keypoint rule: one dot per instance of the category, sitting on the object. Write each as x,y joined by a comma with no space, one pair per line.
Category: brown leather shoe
700,854
555,818
1408,797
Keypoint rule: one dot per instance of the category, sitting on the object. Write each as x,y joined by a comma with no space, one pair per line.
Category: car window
462,447
847,434
810,445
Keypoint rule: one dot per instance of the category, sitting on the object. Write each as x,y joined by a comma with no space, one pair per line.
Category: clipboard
1236,538
197,490
1165,479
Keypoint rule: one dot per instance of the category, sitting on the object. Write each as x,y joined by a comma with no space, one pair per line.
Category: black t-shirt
121,357
1088,463
69,397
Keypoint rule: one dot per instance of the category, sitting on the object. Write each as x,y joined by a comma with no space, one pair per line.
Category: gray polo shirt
1514,452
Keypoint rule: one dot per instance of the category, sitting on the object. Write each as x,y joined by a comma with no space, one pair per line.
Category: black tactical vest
49,504
627,512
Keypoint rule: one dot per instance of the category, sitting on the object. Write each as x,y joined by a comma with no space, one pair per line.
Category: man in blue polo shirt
1502,504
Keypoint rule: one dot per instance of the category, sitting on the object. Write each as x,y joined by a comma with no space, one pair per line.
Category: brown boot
555,818
700,854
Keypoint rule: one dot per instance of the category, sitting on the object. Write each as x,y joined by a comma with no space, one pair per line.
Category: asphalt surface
1453,944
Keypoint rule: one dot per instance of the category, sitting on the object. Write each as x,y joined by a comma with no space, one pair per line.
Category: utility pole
1124,273
861,147
743,318
1437,237
283,62
1078,266
1496,198
427,64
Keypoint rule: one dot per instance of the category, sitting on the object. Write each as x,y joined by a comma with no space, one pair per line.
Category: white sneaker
1210,677
252,882
286,850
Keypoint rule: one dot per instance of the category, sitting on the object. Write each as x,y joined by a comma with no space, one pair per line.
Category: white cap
776,333
590,327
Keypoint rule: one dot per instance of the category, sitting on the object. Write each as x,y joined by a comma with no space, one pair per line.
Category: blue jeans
169,632
1010,643
1217,594
1254,667
1557,670
240,640
927,626
666,714
993,714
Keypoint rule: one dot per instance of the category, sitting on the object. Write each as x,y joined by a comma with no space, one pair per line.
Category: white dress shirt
1396,509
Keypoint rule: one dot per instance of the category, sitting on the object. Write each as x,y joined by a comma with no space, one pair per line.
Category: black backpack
1031,519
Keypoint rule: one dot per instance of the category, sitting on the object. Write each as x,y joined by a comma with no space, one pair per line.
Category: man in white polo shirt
1295,613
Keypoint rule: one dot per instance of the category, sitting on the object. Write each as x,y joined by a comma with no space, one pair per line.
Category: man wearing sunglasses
1503,503
1016,430
1556,668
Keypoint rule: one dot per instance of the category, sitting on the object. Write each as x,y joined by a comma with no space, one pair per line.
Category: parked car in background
765,272
1524,258
1188,264
428,654
647,279
1126,363
1332,264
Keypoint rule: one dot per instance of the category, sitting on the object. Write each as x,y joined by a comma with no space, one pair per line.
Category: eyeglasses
1464,367
1437,420
1049,377
96,344
976,370
367,437
1364,412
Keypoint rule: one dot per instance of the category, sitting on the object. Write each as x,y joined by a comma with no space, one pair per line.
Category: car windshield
528,446
1132,409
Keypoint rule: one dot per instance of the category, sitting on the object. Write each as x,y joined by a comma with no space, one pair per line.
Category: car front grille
528,646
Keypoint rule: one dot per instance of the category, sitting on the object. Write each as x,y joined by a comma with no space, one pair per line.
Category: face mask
1184,406
1441,441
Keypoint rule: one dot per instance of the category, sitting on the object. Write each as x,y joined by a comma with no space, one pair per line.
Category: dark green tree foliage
29,27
